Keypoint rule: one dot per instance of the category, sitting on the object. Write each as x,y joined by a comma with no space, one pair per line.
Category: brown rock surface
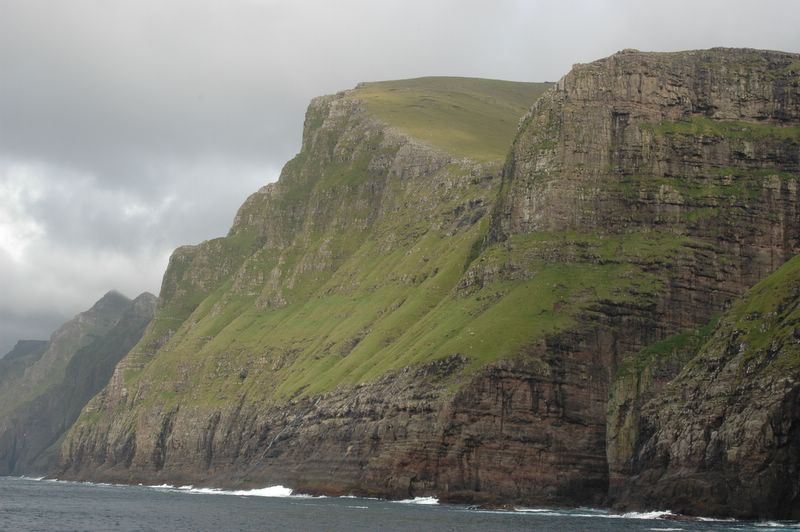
688,162
723,436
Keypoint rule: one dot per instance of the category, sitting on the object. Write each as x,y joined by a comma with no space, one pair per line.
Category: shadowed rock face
642,194
723,435
42,400
27,349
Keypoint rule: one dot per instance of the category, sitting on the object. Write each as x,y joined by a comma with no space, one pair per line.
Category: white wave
84,483
31,478
555,512
716,519
642,515
552,513
420,500
577,512
597,511
794,525
591,512
665,529
270,491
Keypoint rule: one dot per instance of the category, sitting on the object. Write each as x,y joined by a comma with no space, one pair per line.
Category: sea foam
270,491
420,500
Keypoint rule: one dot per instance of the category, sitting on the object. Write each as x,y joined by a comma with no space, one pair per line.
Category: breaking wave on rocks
270,491
419,500
279,491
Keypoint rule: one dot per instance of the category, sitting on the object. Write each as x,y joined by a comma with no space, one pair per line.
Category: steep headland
680,170
44,385
403,314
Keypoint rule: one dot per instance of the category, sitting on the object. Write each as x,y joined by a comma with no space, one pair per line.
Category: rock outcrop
334,282
723,436
44,385
393,317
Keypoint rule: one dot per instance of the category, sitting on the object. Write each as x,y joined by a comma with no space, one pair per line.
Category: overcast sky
128,128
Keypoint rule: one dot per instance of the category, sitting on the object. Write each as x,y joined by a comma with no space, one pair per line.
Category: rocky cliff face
683,167
42,398
723,436
393,318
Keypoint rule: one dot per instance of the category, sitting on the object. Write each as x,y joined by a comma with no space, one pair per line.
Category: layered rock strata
683,166
722,437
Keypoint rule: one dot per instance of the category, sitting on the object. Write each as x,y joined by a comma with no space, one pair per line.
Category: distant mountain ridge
44,385
26,348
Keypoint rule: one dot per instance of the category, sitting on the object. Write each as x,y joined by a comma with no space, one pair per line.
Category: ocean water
30,505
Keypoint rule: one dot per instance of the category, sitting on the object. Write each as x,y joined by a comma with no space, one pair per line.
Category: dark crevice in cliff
160,449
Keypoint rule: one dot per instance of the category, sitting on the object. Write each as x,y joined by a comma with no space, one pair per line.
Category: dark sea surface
29,504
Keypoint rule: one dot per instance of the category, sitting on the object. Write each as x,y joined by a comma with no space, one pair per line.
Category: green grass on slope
674,350
359,300
474,118
762,324
769,317
731,129
332,337
401,309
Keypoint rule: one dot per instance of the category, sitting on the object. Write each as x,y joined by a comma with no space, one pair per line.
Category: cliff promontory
434,301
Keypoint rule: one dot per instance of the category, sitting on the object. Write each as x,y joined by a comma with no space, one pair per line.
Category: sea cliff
432,300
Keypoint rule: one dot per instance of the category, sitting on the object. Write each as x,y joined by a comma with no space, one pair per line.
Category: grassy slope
474,118
768,316
374,311
368,310
371,310
763,321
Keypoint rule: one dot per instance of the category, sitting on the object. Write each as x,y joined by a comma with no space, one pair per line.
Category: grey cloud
187,202
15,327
